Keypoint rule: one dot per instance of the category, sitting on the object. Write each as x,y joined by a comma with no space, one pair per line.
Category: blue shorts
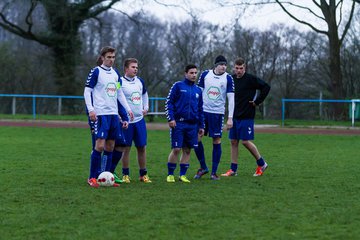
184,135
242,129
136,132
120,139
214,124
107,127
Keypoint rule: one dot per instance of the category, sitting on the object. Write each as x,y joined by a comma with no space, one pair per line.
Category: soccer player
216,85
246,100
137,97
184,113
101,93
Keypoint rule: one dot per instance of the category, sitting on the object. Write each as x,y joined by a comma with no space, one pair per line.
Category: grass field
311,190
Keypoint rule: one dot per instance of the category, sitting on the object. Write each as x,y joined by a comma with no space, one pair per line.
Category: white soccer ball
106,179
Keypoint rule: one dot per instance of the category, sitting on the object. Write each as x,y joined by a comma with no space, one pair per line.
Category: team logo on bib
111,89
135,98
213,93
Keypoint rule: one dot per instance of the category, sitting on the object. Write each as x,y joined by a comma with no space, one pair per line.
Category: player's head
107,56
191,72
131,67
220,64
240,67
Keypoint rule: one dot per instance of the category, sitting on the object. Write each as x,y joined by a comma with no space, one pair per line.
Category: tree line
42,58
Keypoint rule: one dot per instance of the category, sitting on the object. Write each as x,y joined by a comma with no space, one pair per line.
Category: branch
347,26
298,20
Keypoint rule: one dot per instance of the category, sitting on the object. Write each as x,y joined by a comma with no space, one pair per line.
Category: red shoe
260,170
229,173
93,183
116,185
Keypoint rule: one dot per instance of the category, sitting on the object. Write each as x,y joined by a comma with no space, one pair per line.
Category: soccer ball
106,179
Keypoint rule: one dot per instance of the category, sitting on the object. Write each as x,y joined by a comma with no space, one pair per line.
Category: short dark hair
190,66
104,51
127,62
239,61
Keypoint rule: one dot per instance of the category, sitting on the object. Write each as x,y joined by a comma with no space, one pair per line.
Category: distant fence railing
154,107
355,106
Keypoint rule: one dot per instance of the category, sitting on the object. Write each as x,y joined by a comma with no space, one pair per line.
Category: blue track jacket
185,103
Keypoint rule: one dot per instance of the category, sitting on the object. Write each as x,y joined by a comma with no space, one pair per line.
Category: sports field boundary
261,128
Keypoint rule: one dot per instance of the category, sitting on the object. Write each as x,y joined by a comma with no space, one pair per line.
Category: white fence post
13,107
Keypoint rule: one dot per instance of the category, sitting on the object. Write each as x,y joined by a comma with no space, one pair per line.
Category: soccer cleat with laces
126,179
145,179
184,179
214,177
229,173
200,173
93,183
117,179
170,179
260,170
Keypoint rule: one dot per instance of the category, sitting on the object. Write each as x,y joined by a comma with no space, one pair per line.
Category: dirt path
164,126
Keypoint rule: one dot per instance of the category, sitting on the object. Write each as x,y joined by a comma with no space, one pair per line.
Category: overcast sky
261,17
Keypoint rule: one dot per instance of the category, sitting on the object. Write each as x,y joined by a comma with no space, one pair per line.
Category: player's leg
184,164
216,156
129,135
234,152
216,123
100,131
200,152
247,135
177,137
140,140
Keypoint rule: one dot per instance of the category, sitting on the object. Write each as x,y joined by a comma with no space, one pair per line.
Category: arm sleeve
201,83
231,104
201,112
122,112
230,87
121,98
264,91
87,95
169,106
145,98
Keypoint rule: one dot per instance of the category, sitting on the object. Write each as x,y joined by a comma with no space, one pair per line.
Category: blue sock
234,167
126,171
107,159
171,168
183,168
199,151
95,164
115,160
260,162
143,172
216,155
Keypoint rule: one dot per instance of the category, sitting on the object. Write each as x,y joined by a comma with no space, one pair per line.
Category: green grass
162,119
310,191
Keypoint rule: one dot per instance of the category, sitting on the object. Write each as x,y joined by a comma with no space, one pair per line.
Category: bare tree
336,38
63,19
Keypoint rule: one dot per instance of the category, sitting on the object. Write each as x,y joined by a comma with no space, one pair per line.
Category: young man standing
216,85
184,111
137,97
246,100
101,93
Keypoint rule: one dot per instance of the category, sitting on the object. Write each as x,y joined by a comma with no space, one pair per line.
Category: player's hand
172,124
92,116
144,112
131,114
125,124
229,123
201,132
252,103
